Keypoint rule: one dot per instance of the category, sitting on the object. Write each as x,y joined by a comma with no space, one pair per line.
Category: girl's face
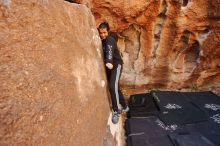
103,33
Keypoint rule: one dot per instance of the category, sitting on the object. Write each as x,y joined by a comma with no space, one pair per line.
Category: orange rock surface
169,44
53,86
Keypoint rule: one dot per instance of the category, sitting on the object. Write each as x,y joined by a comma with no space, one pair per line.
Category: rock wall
170,44
53,86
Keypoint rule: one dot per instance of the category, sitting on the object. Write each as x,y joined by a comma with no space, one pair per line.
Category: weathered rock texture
53,87
169,44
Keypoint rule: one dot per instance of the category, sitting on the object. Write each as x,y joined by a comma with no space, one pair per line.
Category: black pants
113,77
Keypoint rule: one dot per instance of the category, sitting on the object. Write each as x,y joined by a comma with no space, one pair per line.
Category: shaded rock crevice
129,44
160,74
158,28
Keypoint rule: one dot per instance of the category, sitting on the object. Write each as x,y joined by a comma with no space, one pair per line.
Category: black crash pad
206,101
150,129
176,109
209,129
142,105
191,138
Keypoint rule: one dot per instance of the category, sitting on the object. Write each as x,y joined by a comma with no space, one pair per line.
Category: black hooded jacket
111,52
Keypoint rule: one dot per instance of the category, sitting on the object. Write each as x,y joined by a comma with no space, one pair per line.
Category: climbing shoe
115,117
125,109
